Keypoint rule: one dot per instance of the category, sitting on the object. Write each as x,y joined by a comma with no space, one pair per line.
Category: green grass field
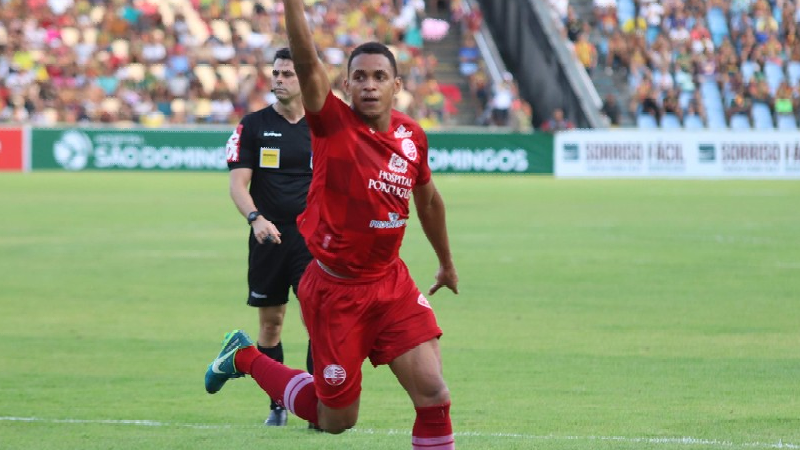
593,315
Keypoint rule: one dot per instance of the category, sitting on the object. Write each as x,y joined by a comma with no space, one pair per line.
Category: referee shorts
274,268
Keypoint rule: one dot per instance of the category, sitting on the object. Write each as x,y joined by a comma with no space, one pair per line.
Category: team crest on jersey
409,149
334,374
398,164
402,133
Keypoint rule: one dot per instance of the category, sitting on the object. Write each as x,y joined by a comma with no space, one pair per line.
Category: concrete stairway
446,53
605,82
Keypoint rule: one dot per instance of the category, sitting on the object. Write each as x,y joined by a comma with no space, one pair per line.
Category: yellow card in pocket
270,158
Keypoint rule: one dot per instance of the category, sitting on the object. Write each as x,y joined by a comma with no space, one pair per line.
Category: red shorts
349,320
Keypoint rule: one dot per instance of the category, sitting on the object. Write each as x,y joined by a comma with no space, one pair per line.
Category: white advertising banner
676,154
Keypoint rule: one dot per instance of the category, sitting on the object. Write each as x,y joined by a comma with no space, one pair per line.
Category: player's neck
292,111
380,123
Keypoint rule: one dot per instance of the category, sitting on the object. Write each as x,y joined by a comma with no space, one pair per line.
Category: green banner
491,153
78,149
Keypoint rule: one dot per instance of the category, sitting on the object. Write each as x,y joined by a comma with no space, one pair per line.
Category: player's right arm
311,73
241,161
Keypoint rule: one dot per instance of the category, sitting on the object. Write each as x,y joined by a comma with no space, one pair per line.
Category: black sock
275,353
309,360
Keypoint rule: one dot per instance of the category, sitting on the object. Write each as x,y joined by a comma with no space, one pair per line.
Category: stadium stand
159,62
732,64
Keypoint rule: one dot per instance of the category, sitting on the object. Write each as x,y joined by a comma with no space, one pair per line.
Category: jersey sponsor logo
334,374
270,158
423,301
234,145
395,178
387,188
402,133
394,222
398,164
409,149
272,134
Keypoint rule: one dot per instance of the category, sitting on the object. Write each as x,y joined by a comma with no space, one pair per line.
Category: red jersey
358,202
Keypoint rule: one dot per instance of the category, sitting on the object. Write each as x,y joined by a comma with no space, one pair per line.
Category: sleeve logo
233,147
409,149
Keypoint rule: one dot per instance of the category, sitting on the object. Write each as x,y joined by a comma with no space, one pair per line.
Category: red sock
432,429
294,389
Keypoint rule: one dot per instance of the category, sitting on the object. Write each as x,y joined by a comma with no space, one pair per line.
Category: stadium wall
582,153
12,149
670,154
195,149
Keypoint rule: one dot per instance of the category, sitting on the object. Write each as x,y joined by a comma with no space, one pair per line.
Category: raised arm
311,73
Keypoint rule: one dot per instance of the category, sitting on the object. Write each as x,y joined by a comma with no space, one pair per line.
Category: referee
269,157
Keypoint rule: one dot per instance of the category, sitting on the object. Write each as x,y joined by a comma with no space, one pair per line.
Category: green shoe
223,368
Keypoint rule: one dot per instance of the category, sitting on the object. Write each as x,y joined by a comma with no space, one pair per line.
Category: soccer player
269,157
357,298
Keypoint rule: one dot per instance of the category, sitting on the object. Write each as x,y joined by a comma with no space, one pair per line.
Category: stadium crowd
158,62
698,63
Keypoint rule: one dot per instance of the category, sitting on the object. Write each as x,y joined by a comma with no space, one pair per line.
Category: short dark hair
373,48
283,53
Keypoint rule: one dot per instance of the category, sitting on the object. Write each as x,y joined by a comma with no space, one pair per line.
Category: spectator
586,53
64,59
692,119
574,24
618,55
433,100
521,116
221,107
557,122
671,104
740,106
605,13
502,101
611,109
468,57
785,100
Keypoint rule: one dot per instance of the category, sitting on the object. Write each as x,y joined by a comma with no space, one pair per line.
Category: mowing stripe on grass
645,440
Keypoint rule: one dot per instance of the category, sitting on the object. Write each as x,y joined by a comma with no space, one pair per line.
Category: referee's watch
252,216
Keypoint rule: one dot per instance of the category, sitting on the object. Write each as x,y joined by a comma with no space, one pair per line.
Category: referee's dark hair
283,53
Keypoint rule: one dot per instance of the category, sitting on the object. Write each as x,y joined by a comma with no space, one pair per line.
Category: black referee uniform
279,153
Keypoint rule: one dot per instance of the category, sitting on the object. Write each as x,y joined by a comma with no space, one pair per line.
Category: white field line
636,440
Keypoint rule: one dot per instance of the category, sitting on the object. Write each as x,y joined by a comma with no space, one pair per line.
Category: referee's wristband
252,216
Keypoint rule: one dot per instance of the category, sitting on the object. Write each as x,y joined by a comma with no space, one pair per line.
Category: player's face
372,84
285,85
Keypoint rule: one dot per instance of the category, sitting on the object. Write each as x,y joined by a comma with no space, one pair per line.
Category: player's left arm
431,212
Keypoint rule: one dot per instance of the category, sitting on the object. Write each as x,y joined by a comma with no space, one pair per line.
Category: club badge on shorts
334,374
270,158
